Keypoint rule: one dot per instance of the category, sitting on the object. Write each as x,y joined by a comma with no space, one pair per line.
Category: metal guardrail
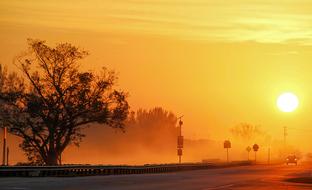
93,170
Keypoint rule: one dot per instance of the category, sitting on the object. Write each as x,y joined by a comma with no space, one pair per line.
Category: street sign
180,152
248,149
180,141
227,144
255,147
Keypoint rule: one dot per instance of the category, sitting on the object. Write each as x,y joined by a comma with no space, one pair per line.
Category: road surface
260,177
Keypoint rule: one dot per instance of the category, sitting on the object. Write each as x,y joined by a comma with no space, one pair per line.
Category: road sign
227,144
255,147
180,141
248,149
180,152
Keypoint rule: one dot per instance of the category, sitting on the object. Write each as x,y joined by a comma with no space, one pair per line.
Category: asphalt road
243,178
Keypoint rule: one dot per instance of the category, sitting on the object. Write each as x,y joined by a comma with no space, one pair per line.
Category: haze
218,63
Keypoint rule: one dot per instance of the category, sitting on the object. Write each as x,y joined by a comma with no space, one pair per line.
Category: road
260,177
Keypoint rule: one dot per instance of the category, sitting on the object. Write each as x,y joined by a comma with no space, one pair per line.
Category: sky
217,62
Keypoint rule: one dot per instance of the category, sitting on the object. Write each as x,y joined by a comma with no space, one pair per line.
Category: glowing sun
287,102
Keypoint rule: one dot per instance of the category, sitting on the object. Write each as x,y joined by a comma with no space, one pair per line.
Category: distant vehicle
292,159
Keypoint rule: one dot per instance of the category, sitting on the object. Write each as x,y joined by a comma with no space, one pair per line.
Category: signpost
227,145
255,147
180,140
248,150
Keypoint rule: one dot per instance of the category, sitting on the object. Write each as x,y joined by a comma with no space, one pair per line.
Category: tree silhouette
246,131
155,127
50,105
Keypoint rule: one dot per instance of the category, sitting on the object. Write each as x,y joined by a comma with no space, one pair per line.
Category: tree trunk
52,158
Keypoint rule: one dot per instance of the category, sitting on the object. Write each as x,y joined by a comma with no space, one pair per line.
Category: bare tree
246,131
50,105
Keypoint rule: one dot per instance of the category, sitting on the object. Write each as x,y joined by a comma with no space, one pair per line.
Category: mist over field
155,144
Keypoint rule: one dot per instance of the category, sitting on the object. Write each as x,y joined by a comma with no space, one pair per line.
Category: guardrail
93,170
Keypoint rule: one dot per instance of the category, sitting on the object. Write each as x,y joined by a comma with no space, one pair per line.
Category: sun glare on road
287,102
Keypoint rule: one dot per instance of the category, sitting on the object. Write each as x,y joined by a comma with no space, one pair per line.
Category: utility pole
285,135
4,145
269,156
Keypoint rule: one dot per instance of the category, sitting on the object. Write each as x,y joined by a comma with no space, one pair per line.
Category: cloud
281,21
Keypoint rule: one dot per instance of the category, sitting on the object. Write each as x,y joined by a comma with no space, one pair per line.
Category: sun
287,102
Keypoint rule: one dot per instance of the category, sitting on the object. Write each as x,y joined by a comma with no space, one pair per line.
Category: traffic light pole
180,140
180,134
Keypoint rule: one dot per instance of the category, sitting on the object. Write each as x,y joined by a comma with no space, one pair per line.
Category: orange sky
217,62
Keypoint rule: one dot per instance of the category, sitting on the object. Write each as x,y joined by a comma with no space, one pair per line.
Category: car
292,159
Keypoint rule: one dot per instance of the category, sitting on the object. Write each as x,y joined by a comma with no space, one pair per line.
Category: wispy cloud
281,21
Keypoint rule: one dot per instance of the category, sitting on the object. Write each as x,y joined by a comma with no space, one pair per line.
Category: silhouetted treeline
152,128
150,136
